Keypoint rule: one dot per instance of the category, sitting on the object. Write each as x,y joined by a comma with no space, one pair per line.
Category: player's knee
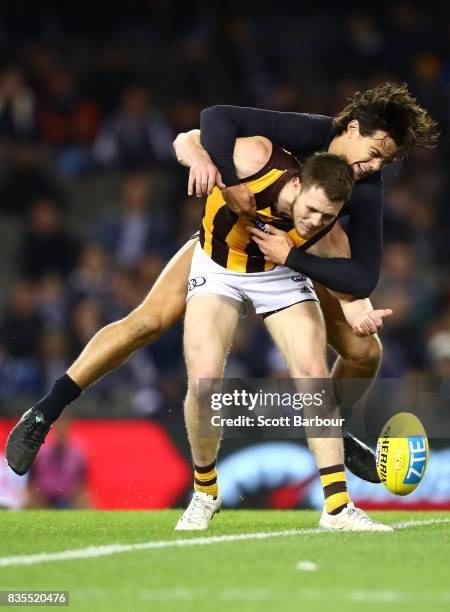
314,369
365,352
203,386
142,328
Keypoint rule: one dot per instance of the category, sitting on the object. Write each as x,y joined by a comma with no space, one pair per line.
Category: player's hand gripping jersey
223,235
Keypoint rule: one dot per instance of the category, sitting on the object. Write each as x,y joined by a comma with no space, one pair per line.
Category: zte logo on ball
417,459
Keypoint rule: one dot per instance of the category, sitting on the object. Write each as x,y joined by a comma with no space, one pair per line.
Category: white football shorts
268,291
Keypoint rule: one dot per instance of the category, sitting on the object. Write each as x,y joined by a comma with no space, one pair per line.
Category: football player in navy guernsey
378,126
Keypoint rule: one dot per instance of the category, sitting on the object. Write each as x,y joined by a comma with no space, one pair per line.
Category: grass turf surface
404,570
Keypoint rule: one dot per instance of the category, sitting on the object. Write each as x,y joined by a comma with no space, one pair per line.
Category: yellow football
402,453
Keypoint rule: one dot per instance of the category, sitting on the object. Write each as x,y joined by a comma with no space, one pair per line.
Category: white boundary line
412,523
114,549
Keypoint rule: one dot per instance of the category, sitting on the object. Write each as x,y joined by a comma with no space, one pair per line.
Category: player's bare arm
204,174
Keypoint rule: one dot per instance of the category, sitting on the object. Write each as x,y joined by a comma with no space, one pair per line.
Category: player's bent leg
304,351
210,325
161,309
110,347
358,358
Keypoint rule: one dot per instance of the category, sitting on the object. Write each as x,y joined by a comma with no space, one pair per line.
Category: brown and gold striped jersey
222,233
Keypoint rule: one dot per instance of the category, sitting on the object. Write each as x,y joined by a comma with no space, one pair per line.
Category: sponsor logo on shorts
298,278
305,290
198,281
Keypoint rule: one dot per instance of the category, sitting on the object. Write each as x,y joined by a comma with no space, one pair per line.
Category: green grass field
404,570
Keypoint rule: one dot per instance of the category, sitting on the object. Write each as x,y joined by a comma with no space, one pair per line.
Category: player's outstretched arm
221,125
359,313
362,318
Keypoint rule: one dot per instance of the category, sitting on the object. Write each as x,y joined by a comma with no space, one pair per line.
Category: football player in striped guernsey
228,268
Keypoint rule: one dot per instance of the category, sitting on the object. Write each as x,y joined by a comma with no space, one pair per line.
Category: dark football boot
359,458
25,440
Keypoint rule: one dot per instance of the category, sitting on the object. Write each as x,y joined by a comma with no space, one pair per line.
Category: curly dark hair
392,108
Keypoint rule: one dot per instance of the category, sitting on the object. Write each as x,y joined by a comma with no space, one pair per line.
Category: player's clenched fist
241,200
371,322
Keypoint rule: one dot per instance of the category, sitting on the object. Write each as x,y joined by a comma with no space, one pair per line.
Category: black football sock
63,392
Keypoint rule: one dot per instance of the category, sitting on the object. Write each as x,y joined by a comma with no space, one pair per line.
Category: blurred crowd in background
93,203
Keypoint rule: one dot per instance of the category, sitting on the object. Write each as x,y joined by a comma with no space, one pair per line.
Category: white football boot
199,513
350,519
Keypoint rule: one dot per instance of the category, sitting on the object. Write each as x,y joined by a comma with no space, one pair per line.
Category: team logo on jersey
196,282
260,225
298,278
